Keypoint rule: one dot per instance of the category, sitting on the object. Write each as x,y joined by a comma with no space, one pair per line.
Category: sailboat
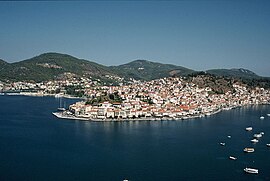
60,108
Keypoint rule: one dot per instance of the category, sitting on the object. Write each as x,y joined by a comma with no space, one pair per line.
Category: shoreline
68,115
63,115
36,94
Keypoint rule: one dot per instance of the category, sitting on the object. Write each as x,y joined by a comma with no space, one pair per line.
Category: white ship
257,135
249,129
251,170
249,150
232,158
254,141
61,109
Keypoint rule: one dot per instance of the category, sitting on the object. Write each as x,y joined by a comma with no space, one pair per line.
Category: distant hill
222,82
4,66
236,73
147,70
49,66
2,62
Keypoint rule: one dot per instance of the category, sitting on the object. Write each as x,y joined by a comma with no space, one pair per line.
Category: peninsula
161,99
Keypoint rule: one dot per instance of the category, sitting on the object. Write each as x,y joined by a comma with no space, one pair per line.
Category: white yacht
61,109
262,117
222,144
251,170
232,158
257,135
268,114
249,150
254,141
249,129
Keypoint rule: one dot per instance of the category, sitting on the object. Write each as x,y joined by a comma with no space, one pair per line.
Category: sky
197,34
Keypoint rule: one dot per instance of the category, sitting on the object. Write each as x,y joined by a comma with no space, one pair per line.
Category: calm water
34,145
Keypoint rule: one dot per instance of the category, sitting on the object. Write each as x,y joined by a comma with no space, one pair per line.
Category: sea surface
35,145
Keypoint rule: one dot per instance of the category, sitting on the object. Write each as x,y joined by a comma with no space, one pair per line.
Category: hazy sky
196,34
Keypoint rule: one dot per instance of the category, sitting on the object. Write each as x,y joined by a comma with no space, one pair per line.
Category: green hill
2,62
49,66
147,70
236,73
4,67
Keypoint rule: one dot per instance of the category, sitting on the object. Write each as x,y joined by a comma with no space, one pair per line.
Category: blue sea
35,145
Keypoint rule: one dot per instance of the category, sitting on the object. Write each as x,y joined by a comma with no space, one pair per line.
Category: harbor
44,146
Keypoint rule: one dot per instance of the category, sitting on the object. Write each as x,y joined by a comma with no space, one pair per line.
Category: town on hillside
164,98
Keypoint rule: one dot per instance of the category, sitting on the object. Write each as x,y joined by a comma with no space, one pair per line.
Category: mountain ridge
148,70
234,72
2,61
51,65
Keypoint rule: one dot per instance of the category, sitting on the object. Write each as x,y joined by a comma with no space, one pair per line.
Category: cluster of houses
166,97
50,87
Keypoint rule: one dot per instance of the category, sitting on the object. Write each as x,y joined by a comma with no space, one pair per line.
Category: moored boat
254,141
257,135
222,144
262,117
249,150
268,114
61,109
58,95
251,170
232,158
268,144
249,129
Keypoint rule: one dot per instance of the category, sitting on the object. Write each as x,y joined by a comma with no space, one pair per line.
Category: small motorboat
251,170
257,135
268,144
249,150
254,141
222,144
262,117
249,129
268,114
229,136
232,158
262,133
